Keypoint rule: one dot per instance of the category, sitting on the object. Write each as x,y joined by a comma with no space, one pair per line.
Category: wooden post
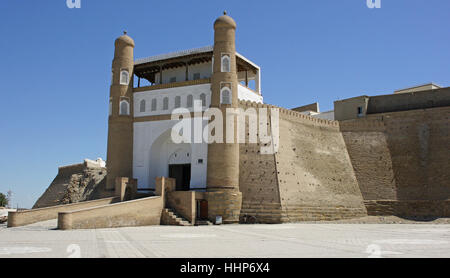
187,72
246,78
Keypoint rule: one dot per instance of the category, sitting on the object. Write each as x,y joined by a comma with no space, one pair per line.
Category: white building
177,80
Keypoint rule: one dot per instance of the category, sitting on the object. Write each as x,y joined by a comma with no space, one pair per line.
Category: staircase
169,217
203,223
261,213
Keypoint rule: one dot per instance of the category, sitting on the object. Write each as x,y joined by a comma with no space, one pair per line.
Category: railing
173,85
248,88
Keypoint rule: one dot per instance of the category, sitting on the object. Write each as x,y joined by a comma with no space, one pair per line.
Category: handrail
173,85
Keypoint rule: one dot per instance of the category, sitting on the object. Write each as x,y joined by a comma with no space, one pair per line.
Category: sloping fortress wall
309,178
75,183
401,161
315,175
258,182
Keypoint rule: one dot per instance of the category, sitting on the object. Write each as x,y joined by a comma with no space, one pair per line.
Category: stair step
203,223
176,219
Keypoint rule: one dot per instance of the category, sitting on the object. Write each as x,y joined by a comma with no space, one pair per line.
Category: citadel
371,155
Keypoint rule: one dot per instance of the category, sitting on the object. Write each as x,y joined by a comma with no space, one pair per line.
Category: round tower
224,198
120,123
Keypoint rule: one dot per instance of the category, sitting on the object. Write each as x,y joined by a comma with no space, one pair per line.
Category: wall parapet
70,169
78,168
288,114
409,101
172,85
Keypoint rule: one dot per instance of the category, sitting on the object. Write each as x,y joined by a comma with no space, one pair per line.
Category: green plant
3,200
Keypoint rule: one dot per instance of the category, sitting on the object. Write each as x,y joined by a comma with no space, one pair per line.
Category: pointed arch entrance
169,159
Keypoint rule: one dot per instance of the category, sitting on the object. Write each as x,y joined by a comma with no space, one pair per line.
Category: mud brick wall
224,203
258,180
417,209
183,202
401,161
371,158
310,178
315,174
259,184
73,184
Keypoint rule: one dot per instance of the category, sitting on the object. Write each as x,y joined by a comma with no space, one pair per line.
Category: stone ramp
22,218
47,225
138,212
44,225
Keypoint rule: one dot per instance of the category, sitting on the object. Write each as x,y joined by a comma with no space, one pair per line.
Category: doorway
202,210
182,174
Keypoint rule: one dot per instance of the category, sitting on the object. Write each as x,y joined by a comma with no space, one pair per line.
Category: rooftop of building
147,67
186,54
424,86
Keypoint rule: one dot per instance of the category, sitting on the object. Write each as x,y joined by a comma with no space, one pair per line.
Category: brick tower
120,123
224,198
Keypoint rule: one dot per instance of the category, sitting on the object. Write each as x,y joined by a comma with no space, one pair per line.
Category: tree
3,200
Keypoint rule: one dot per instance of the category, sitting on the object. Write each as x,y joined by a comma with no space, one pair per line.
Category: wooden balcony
173,85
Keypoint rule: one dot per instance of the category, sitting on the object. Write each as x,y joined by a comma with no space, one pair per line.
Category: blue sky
55,63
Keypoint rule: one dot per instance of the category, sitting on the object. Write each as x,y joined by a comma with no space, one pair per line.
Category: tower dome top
125,39
225,21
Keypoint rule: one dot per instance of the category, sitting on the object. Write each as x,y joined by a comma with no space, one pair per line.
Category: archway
168,158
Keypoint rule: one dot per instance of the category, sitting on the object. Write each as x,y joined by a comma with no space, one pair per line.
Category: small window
200,161
360,111
166,103
177,102
154,104
196,76
173,80
110,108
190,101
225,96
142,106
124,77
124,108
226,63
203,99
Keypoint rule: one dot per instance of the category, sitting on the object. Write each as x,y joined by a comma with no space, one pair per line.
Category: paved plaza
284,240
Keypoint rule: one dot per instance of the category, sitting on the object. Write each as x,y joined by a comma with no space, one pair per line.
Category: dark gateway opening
182,173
